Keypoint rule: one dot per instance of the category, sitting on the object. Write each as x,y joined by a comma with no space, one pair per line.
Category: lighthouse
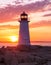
24,38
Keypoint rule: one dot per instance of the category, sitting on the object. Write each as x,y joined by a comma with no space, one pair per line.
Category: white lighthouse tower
24,38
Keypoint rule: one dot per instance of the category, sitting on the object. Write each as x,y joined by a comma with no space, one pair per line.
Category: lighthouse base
23,47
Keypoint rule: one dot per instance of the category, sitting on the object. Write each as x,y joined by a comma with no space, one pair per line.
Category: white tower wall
24,38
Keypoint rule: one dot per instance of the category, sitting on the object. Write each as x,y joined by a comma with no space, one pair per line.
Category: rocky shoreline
25,55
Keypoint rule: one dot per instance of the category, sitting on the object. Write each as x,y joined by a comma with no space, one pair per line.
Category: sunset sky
39,12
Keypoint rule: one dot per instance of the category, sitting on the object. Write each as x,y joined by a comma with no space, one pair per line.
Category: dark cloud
47,15
11,11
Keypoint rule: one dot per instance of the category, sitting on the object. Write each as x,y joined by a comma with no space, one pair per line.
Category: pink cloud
41,23
11,12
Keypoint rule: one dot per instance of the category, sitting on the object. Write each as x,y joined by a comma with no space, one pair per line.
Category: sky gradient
39,12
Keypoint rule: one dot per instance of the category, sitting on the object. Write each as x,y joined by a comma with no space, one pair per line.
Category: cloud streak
47,15
41,23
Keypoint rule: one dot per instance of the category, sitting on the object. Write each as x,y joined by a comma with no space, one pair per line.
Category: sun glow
13,38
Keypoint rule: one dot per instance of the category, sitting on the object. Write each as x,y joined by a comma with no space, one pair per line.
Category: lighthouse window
23,16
